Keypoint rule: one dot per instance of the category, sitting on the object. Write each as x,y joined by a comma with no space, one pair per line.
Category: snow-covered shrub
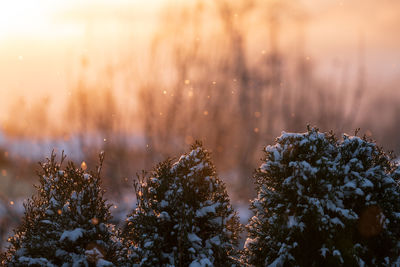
183,216
325,202
66,223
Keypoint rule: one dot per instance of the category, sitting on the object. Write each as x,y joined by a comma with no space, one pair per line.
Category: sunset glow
119,86
27,18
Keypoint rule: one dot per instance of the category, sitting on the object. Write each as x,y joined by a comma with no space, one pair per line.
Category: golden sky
42,42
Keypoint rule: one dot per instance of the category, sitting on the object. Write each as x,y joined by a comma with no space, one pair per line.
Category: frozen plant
325,202
183,216
66,223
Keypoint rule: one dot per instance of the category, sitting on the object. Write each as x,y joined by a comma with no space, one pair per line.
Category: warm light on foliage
83,165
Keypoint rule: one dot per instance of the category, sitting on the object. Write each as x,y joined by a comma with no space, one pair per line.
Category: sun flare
26,17
43,17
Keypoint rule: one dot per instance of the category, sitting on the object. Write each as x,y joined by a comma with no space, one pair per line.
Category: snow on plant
66,223
183,215
322,201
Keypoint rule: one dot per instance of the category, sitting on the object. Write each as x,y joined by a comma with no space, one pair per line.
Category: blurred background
141,80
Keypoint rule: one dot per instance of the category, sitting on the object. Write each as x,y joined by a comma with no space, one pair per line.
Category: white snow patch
324,250
72,235
194,238
367,184
203,263
207,209
103,263
35,261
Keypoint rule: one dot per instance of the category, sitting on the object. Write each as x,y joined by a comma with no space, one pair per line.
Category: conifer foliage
325,202
66,223
183,215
